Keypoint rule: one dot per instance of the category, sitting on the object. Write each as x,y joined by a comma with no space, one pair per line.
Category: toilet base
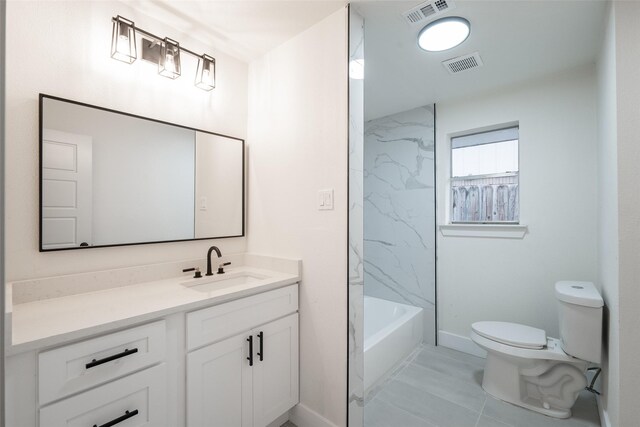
536,406
544,386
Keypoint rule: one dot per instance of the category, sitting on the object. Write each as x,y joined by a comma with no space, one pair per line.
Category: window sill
500,231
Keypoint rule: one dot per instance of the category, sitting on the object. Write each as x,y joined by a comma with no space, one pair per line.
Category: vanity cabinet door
219,385
275,372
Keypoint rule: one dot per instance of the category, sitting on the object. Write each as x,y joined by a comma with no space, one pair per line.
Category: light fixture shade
169,61
123,40
444,34
206,73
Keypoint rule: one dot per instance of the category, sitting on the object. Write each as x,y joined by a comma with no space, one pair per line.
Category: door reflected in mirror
110,178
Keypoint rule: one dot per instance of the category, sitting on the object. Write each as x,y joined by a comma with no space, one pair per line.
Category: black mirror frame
42,97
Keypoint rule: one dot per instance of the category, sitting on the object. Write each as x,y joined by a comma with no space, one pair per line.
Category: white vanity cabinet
251,378
187,368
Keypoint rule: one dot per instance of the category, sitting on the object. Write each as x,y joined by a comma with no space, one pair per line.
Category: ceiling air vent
463,63
427,11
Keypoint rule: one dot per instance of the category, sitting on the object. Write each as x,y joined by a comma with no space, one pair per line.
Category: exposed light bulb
169,63
123,44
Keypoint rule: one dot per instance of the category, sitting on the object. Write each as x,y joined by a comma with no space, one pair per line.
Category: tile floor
438,387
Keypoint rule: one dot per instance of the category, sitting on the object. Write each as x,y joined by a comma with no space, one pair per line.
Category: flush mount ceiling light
443,34
164,52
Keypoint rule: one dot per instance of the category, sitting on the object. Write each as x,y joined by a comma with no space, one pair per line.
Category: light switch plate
325,200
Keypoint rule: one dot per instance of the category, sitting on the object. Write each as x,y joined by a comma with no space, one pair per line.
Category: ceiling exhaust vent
463,63
427,11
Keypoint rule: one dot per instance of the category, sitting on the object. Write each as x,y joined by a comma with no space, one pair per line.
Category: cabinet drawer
136,400
221,321
76,367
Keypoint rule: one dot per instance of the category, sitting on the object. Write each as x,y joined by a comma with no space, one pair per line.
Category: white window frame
472,226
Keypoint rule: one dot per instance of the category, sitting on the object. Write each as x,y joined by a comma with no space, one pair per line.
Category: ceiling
245,29
518,40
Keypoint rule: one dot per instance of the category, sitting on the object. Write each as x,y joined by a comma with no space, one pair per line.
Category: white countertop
51,321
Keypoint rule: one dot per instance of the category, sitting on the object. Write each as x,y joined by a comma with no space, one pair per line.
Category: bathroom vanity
151,346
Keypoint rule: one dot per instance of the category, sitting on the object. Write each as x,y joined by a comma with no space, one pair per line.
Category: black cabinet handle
120,419
95,362
250,358
261,352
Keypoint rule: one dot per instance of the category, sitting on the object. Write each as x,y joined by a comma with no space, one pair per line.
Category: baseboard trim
280,420
460,343
302,416
604,416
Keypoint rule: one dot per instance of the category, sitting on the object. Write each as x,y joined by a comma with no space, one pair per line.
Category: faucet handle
197,273
221,267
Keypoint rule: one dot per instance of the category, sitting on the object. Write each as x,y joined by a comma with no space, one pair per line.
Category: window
484,177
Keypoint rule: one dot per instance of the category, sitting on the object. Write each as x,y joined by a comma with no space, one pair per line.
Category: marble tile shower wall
399,211
356,236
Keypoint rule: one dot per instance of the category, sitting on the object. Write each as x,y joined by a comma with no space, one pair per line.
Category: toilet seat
512,334
551,351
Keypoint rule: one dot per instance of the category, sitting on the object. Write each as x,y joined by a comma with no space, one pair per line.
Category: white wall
62,49
627,16
608,217
513,279
142,173
297,146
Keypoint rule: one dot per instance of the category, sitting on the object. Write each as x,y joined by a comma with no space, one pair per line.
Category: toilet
526,368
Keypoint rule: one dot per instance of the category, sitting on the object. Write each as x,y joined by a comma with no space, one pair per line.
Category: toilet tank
580,314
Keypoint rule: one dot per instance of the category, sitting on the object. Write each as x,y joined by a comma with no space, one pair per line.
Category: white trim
501,231
280,420
302,416
604,415
460,343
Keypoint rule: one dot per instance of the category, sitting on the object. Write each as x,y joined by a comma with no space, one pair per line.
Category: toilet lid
512,334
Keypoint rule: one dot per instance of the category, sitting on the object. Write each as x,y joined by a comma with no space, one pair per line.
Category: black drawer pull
261,352
95,362
250,358
120,419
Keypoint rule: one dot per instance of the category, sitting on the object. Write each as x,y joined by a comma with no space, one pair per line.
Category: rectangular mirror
109,178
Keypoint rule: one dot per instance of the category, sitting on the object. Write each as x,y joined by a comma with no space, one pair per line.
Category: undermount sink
220,281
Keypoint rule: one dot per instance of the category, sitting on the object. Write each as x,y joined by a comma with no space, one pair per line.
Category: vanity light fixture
444,33
123,40
164,52
169,60
206,74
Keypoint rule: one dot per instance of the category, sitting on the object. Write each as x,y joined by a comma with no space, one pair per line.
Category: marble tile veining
399,211
356,243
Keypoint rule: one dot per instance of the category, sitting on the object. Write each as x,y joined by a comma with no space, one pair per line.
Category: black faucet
211,249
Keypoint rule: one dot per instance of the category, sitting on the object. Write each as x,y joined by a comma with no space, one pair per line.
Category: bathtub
391,332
